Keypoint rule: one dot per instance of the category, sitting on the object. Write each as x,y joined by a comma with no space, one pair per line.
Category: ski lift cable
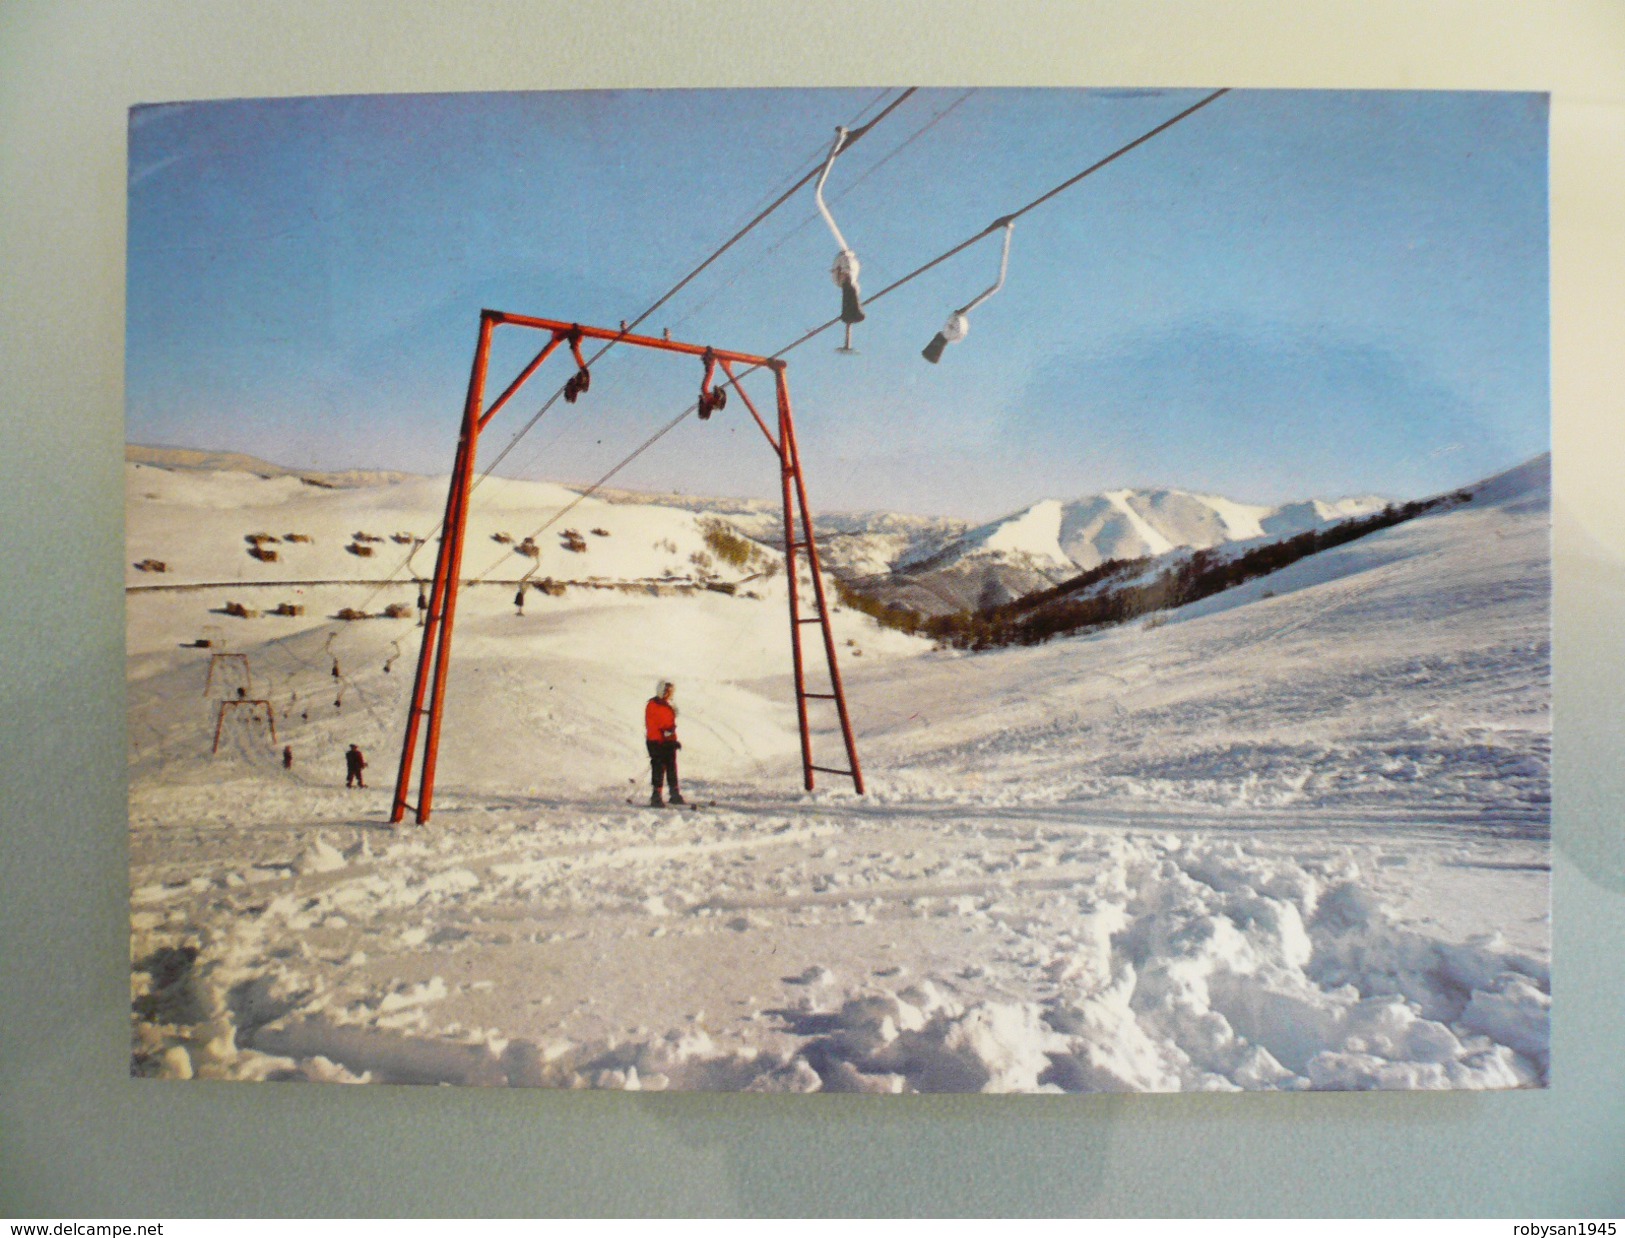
729,380
597,485
754,264
811,159
346,683
864,111
1002,222
875,167
855,135
852,138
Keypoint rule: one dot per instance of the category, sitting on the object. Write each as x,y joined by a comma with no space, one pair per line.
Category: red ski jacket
659,721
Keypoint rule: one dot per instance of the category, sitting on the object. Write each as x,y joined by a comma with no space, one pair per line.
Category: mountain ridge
201,459
932,564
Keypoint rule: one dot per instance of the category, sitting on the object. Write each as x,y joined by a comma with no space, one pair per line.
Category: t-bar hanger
846,267
958,325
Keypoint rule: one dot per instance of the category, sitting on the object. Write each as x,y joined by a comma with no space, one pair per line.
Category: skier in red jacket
660,732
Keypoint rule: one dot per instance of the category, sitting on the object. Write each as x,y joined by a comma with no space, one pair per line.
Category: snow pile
320,857
1167,965
1214,972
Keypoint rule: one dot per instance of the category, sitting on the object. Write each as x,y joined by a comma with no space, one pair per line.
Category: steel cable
854,136
892,287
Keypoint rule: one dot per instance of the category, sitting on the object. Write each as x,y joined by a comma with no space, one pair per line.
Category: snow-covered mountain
1130,524
1051,541
958,565
195,460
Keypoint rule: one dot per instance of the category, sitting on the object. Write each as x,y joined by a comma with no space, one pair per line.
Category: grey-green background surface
79,1138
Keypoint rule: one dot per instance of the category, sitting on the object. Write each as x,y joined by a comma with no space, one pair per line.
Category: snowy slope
1432,636
634,610
199,523
1294,836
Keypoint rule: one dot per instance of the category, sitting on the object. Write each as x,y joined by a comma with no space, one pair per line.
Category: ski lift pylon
426,708
958,324
846,267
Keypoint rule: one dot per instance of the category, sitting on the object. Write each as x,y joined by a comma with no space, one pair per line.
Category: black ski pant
663,764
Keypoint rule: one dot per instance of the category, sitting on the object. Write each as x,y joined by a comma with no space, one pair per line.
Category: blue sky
1287,294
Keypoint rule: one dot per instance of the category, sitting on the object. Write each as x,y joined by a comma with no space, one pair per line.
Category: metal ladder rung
818,696
814,619
824,769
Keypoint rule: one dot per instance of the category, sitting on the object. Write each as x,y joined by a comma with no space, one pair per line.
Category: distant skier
660,732
287,756
354,763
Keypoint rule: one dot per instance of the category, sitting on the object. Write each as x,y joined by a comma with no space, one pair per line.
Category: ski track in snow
1291,837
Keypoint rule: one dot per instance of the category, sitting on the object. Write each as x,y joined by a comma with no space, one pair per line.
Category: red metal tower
434,657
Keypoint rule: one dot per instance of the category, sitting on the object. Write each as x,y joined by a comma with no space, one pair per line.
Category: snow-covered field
1293,836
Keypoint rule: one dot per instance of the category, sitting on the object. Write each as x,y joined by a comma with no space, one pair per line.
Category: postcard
888,590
